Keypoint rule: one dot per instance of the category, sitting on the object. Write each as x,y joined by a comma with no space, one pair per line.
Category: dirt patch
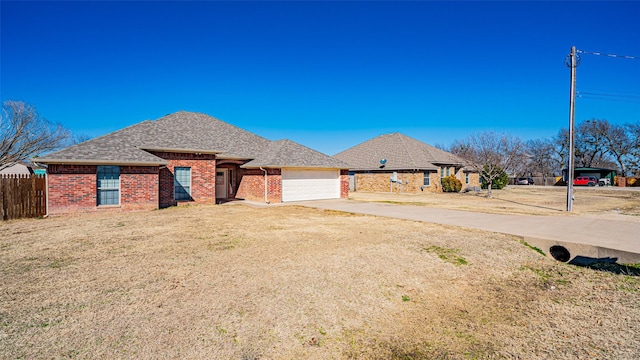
528,200
291,282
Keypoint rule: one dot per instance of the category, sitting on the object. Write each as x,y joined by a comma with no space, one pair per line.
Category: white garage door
310,184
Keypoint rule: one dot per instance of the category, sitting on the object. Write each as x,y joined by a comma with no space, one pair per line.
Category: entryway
222,183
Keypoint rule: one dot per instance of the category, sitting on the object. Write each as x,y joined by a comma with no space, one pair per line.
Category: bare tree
24,133
561,150
76,139
441,146
598,143
590,149
540,153
617,141
491,154
633,133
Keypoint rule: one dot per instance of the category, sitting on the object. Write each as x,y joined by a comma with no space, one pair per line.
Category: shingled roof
187,132
400,151
286,153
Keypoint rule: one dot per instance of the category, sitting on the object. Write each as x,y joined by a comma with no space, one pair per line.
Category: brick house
398,163
187,157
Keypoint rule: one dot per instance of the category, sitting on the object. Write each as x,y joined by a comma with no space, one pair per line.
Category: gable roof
185,132
286,153
400,151
119,147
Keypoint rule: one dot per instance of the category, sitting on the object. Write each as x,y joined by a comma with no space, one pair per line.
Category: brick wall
251,185
344,183
74,188
203,177
474,180
379,181
139,187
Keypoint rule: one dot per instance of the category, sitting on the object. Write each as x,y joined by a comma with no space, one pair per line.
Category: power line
609,55
610,99
598,94
625,101
631,97
608,91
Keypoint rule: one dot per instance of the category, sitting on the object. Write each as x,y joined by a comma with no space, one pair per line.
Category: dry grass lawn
234,282
529,200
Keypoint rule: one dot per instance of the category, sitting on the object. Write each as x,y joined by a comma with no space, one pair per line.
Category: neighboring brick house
187,157
397,163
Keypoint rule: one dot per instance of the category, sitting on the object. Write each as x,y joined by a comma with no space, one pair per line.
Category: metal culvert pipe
560,253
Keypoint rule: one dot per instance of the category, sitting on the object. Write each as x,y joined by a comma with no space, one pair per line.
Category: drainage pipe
266,198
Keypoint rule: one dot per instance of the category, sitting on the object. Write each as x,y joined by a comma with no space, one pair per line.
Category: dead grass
232,282
527,200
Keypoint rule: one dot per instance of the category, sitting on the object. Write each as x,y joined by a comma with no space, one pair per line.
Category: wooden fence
22,196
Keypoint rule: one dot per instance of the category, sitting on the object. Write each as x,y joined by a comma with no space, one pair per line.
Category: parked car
604,181
524,181
585,181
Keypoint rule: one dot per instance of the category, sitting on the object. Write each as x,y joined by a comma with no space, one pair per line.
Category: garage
312,184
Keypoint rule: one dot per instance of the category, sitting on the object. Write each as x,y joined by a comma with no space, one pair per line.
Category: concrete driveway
586,237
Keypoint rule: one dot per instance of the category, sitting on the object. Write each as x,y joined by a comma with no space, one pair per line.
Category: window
182,183
466,178
444,171
108,185
427,180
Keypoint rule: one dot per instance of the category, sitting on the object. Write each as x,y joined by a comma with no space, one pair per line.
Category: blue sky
328,75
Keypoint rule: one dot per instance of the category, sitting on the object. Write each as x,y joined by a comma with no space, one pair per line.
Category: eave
179,150
275,166
98,162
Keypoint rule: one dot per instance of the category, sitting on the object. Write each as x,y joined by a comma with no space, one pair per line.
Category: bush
451,184
498,183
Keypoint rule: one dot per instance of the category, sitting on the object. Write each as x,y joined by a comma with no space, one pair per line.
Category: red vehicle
585,181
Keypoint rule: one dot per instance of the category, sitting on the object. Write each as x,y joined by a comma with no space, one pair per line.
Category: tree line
597,143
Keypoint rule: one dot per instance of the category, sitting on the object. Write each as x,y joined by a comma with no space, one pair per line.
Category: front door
222,183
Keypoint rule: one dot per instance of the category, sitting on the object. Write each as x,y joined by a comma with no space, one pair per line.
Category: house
396,162
187,157
23,169
17,169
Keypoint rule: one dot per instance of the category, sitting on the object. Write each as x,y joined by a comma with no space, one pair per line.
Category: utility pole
572,63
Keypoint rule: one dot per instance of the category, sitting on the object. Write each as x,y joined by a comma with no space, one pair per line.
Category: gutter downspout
266,197
46,201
